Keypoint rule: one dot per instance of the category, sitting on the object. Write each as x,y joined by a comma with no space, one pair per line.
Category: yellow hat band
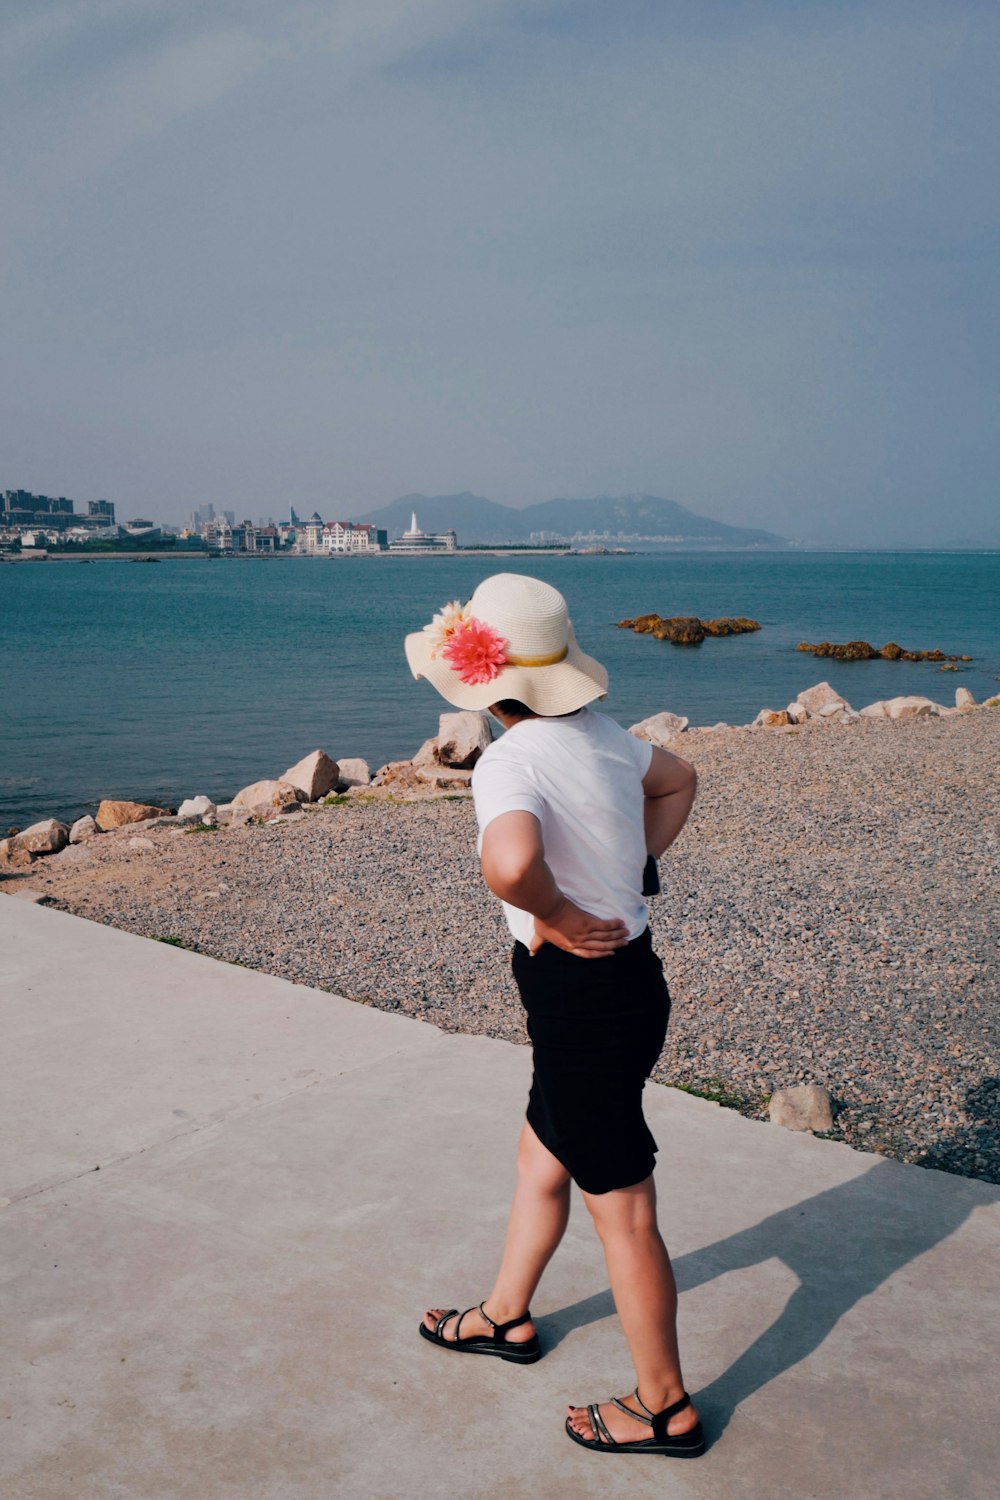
537,661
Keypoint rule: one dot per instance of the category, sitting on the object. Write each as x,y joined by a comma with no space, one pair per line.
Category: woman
569,808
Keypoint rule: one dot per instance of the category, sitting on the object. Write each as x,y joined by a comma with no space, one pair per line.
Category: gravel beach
828,915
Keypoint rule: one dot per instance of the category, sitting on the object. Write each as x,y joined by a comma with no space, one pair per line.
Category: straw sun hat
512,640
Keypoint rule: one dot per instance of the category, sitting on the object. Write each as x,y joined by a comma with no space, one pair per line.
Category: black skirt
597,1027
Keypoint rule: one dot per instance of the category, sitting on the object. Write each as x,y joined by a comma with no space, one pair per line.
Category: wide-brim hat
513,639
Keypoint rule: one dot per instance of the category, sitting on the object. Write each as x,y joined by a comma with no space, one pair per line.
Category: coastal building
351,536
311,534
101,512
218,535
246,537
140,530
419,541
20,508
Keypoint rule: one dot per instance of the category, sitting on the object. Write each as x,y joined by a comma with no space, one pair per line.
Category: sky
741,255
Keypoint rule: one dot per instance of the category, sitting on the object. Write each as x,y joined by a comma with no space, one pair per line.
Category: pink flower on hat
476,652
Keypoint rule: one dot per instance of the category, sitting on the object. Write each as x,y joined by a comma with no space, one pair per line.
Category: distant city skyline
740,257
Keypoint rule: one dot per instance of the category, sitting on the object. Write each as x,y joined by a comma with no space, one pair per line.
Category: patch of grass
203,828
717,1092
337,799
175,942
455,797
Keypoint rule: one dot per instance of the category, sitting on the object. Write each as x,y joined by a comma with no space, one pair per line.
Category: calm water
161,681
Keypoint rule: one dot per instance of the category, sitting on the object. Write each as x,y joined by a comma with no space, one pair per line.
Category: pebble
829,916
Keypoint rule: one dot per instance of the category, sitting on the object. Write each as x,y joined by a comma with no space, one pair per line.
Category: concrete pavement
227,1198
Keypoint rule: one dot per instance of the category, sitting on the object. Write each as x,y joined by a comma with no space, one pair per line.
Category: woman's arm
514,868
669,788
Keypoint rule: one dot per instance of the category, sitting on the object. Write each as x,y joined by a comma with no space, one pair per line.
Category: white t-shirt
581,776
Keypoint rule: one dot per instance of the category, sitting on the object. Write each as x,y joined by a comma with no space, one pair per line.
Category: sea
159,681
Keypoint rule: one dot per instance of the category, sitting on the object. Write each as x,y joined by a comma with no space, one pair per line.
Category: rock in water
659,729
730,625
47,837
197,807
112,814
353,772
83,828
806,1106
314,775
864,651
682,630
263,799
688,630
461,739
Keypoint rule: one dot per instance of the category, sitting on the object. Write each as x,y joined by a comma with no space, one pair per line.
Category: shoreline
829,915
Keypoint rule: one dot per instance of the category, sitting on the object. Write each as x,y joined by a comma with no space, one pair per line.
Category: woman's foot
474,1325
625,1429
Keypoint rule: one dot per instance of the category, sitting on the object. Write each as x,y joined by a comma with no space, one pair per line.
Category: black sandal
681,1445
525,1353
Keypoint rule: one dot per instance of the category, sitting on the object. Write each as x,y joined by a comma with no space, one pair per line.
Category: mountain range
606,520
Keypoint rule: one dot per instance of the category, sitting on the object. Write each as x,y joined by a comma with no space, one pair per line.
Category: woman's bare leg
645,1293
537,1223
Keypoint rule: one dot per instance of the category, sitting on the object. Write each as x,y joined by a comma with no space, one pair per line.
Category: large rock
462,738
836,713
112,814
772,718
806,1106
47,837
659,729
964,699
228,815
458,744
423,780
10,854
401,775
447,779
83,828
910,707
874,710
197,807
314,775
814,699
264,799
353,772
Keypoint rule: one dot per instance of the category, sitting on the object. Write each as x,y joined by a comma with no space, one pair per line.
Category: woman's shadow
841,1244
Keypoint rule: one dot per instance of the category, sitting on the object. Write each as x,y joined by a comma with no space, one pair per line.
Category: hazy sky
743,255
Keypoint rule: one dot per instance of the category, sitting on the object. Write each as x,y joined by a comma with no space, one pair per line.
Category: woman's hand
515,870
577,931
